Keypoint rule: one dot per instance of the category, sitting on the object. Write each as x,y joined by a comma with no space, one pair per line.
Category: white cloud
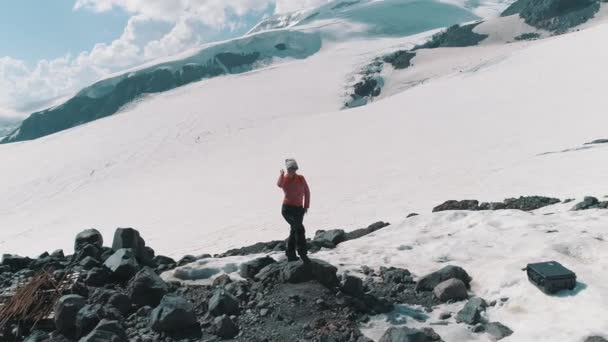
157,28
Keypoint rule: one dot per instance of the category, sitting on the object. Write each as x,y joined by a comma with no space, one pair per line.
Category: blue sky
31,30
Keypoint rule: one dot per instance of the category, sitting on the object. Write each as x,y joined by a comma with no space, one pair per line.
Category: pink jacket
296,190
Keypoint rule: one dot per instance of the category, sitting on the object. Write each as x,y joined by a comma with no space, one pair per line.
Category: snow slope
203,160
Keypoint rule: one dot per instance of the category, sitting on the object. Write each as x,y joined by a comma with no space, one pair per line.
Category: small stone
225,328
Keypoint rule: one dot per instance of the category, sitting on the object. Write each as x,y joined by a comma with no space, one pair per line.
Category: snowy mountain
489,109
336,21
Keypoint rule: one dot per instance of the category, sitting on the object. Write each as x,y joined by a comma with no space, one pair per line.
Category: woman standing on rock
295,205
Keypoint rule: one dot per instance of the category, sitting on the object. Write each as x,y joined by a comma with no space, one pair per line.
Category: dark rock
401,59
130,238
122,264
405,334
353,286
249,269
598,141
58,254
395,275
121,302
595,339
299,272
492,206
454,36
89,263
451,289
87,251
66,310
225,328
334,236
471,312
428,282
588,202
105,331
97,276
497,330
147,288
38,336
554,15
412,215
457,205
87,318
186,259
174,313
88,237
528,36
163,260
223,303
359,233
529,203
221,281
15,262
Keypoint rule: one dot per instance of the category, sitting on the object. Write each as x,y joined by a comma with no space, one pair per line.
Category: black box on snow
551,276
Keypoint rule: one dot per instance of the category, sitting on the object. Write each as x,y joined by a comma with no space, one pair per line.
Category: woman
295,205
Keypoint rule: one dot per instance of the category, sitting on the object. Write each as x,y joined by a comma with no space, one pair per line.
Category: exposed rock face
401,59
525,203
554,15
430,281
454,36
590,203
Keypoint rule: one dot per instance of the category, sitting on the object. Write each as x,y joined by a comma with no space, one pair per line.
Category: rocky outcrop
525,203
554,15
430,281
454,36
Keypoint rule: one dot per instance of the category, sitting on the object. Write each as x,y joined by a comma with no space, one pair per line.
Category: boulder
87,251
221,281
130,238
333,237
58,254
405,334
451,289
353,286
471,312
225,328
87,318
457,205
223,303
88,237
428,282
299,272
97,276
498,330
358,233
15,262
66,310
106,330
251,268
122,264
587,203
121,302
173,314
147,288
89,263
163,260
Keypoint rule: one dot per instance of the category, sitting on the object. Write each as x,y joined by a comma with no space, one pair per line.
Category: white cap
291,164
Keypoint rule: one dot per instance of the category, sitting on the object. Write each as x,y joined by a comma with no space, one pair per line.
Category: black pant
297,235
